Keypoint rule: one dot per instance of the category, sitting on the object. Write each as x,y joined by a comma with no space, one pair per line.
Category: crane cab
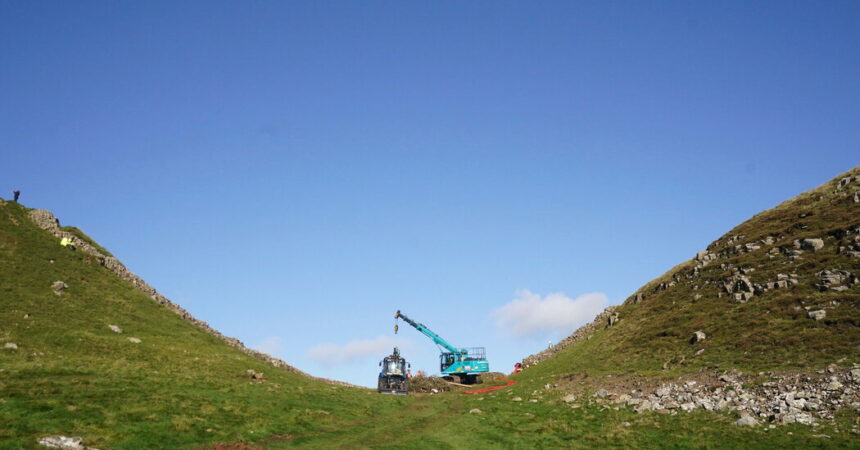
464,366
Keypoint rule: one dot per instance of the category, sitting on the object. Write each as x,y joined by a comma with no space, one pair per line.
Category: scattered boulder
833,385
11,346
613,319
746,420
256,376
812,244
517,399
644,405
59,287
115,329
601,393
835,280
475,411
134,340
63,442
698,336
817,315
569,398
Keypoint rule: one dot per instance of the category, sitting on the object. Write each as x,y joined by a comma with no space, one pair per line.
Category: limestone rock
817,315
644,405
613,319
11,346
115,329
63,442
698,336
601,393
746,420
475,411
742,297
813,244
569,398
517,399
134,340
834,385
835,280
59,287
258,376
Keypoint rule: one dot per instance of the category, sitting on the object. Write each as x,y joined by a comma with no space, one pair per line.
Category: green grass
182,388
771,332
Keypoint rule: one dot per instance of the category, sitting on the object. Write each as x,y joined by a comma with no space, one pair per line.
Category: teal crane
461,365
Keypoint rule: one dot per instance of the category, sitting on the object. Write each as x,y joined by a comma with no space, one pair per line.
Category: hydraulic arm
460,364
429,333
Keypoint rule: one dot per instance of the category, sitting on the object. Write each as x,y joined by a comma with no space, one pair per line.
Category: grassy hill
184,387
751,292
71,374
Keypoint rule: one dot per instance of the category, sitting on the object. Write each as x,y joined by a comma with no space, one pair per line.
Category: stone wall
603,320
45,220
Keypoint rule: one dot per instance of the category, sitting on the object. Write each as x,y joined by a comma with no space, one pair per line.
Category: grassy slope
182,388
770,332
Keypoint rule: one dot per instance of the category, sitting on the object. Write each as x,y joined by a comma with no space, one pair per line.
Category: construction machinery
460,365
393,377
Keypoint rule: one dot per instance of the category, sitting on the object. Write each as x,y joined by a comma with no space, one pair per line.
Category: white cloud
270,346
329,355
529,314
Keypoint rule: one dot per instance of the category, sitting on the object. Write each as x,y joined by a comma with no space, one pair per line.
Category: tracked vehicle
459,365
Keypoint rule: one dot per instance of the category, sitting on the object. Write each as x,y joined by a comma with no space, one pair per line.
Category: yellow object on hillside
65,242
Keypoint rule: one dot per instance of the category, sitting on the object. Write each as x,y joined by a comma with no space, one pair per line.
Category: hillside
776,296
166,380
89,349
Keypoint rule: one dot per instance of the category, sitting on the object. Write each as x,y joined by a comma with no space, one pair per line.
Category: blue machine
461,365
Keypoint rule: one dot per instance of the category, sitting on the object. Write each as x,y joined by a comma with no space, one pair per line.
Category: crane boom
462,365
429,333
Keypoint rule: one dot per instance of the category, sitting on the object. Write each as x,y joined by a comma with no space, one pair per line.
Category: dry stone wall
46,220
603,320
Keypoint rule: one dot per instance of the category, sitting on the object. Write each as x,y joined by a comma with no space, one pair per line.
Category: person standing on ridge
15,195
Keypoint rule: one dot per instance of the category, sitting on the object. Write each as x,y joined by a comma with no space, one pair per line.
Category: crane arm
429,333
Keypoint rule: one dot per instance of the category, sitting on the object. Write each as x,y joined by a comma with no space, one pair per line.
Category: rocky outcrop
59,286
698,336
835,280
64,442
46,221
817,315
783,399
812,244
600,322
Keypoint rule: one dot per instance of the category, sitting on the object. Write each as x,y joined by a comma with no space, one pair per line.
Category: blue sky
294,172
